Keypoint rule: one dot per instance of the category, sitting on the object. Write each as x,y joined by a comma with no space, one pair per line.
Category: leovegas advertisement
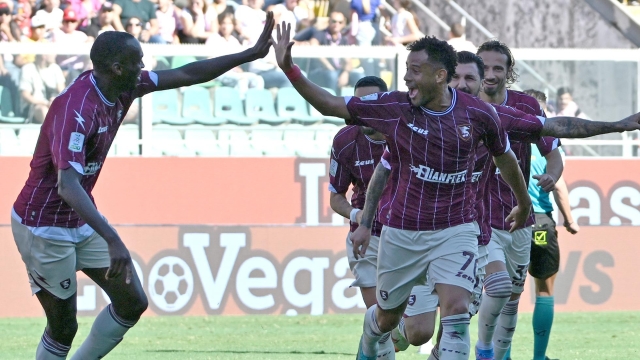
240,236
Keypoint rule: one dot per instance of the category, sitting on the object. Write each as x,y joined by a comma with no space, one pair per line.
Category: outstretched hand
265,40
282,45
630,123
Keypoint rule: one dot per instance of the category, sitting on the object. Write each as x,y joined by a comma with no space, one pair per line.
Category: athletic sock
508,354
386,351
402,328
49,349
542,322
107,331
435,353
455,342
497,293
506,328
371,333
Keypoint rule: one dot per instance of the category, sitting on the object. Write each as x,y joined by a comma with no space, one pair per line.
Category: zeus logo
417,129
364,162
428,174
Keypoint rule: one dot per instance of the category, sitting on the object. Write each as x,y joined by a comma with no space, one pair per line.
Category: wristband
352,216
294,73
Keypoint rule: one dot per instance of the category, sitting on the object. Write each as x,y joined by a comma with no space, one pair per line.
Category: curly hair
467,57
502,48
439,52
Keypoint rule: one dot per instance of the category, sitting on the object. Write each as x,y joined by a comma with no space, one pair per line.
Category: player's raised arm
573,128
205,70
322,100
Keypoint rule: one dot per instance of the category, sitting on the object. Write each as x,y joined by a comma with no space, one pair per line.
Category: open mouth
413,93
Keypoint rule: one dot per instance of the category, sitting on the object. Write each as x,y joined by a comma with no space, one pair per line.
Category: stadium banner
257,236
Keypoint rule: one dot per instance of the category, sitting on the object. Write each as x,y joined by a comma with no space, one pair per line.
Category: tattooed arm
571,128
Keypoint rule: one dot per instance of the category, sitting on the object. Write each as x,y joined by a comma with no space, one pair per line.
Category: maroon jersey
354,157
77,132
521,128
500,194
432,155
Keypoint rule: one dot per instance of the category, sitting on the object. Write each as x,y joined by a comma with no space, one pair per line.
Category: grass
576,336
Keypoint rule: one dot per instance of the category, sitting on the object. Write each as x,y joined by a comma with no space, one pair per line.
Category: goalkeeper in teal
545,254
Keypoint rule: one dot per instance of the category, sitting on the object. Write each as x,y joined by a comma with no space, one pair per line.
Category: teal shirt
539,198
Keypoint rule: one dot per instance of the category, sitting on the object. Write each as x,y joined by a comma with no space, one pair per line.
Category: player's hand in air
120,261
546,182
517,217
282,45
360,240
629,123
572,227
262,46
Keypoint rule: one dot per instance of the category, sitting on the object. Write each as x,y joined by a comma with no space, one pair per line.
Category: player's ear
116,68
441,76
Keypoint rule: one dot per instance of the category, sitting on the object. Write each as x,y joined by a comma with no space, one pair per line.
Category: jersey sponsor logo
540,237
364,162
475,177
428,174
464,131
103,129
79,119
76,141
418,129
65,283
370,97
92,168
333,169
384,295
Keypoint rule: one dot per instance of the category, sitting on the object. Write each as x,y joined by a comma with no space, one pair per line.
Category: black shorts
545,253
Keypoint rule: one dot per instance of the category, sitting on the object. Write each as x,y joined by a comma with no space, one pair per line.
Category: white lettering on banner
214,289
622,209
244,283
592,197
312,172
428,174
315,296
340,270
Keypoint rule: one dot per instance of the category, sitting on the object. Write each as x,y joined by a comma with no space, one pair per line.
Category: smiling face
495,72
423,78
467,79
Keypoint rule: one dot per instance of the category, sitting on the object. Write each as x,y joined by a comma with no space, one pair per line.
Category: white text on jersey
364,162
417,129
428,174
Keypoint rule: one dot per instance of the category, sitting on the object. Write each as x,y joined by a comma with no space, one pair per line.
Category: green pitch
576,336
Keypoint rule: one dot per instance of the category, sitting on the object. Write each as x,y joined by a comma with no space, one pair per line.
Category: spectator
565,106
458,40
291,13
23,15
37,34
168,21
86,10
198,23
40,83
221,6
9,29
52,14
363,13
337,72
250,20
225,43
404,25
103,22
145,11
68,36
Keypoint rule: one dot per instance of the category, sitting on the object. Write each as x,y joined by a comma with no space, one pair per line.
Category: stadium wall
256,236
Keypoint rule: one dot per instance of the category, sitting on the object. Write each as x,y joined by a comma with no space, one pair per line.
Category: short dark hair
457,30
439,51
502,48
538,95
467,57
564,90
372,81
107,49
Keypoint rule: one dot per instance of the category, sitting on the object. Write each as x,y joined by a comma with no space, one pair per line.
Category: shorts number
470,256
520,271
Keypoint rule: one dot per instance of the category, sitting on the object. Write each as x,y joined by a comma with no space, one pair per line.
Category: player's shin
107,331
49,349
386,351
497,292
455,341
371,333
506,328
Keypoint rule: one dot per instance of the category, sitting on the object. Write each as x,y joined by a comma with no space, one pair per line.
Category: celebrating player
431,221
355,152
55,223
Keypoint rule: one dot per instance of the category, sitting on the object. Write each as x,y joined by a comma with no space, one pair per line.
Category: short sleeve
385,160
148,83
26,78
339,174
496,139
519,125
380,111
547,144
72,126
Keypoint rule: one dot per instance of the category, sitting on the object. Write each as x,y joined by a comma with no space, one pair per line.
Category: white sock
386,350
49,349
497,293
455,342
107,331
371,333
506,328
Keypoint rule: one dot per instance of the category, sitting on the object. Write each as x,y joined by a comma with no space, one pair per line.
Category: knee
498,285
63,331
419,336
387,319
134,308
459,306
141,305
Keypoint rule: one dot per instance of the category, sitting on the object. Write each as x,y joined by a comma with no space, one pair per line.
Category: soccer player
55,223
432,132
499,313
355,152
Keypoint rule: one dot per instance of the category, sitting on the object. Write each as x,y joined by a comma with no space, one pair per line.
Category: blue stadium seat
292,105
165,108
228,105
7,114
259,105
196,105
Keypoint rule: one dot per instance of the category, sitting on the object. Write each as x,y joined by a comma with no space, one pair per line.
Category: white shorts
404,258
365,268
52,264
513,249
422,300
476,296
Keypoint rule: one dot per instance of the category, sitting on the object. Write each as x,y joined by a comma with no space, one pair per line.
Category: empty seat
203,142
301,141
294,106
7,113
127,141
165,108
28,138
228,105
168,141
268,140
8,142
259,105
196,106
